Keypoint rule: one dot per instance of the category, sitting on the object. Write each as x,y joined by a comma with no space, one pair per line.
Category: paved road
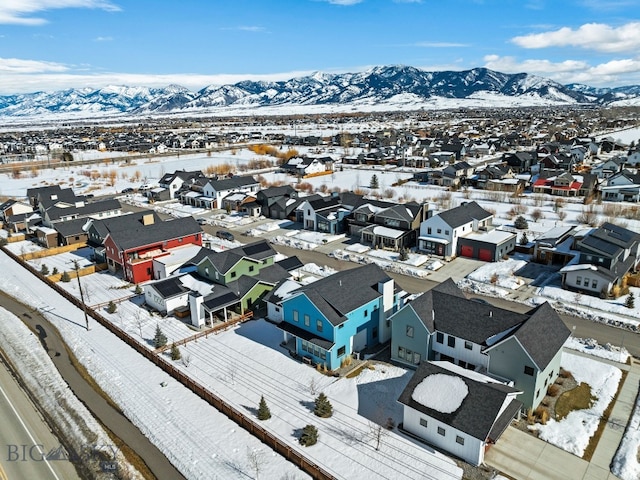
99,407
25,438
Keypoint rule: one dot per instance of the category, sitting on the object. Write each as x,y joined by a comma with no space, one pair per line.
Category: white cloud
103,39
246,28
10,66
438,44
593,36
20,12
611,73
343,2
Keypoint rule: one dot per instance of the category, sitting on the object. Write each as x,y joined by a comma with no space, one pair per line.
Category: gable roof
155,233
465,213
233,182
480,411
54,212
169,287
128,221
338,294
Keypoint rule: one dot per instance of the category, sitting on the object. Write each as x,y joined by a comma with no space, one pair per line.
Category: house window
277,309
594,283
416,358
423,422
233,274
451,341
319,325
409,331
206,271
439,230
429,231
537,393
441,431
446,232
578,280
251,268
374,332
295,315
401,352
341,351
366,313
439,337
528,370
468,345
459,440
307,320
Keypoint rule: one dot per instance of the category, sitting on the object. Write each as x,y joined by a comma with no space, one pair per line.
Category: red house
133,251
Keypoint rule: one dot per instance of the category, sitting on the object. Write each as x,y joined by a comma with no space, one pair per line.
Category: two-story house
173,182
622,186
334,317
522,348
324,214
392,227
467,231
606,255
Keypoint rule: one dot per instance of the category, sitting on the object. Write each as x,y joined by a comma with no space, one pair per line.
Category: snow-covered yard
501,274
573,432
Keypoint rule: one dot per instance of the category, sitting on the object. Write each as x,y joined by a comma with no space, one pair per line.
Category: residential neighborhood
196,253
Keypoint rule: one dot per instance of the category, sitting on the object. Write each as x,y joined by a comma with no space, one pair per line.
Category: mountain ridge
379,86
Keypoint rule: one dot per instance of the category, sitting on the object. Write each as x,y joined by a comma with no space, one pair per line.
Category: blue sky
56,44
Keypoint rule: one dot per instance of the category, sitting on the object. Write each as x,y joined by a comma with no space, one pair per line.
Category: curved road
109,416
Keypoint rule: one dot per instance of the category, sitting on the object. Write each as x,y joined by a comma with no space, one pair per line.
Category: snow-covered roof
387,232
435,239
580,266
494,236
440,392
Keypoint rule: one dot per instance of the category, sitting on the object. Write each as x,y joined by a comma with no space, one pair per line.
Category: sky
48,45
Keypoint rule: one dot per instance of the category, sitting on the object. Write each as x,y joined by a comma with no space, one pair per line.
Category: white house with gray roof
456,410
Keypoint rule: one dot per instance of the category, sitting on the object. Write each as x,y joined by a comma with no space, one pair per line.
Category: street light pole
76,267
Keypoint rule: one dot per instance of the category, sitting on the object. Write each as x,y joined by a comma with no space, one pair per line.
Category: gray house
521,349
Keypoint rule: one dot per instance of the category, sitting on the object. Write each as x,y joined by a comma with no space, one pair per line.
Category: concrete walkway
524,457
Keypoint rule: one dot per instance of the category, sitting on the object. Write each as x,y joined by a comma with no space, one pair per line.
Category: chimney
147,219
195,309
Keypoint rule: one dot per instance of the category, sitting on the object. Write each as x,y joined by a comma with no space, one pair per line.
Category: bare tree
140,321
313,386
255,458
232,370
186,360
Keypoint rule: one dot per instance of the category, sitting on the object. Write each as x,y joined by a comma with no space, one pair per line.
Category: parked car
225,235
201,221
127,190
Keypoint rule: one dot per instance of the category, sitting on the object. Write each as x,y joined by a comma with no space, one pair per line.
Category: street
25,438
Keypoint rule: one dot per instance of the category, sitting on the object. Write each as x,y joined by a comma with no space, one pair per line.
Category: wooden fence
246,422
48,252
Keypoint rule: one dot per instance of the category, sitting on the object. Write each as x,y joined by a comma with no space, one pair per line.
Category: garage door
359,341
466,251
485,255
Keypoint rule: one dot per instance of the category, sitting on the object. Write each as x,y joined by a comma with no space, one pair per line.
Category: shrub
494,278
630,301
65,277
111,308
404,254
175,352
55,271
323,407
553,390
263,410
524,239
138,290
565,373
44,270
309,436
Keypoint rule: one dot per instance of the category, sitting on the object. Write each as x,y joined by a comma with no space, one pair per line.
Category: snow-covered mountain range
387,87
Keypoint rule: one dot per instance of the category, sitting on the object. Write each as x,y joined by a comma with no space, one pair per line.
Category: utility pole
76,267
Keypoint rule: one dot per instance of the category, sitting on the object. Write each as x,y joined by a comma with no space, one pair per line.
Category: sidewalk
525,457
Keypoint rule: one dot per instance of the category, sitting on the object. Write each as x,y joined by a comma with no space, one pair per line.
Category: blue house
328,320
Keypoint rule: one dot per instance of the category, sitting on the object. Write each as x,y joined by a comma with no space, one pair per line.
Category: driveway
525,457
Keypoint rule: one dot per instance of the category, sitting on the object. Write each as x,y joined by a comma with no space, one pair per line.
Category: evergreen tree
65,277
524,239
44,270
630,302
521,223
55,270
374,182
175,352
309,436
138,290
159,339
323,407
404,254
263,410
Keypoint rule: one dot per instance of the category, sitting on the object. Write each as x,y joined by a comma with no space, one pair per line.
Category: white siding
572,277
274,312
459,352
472,451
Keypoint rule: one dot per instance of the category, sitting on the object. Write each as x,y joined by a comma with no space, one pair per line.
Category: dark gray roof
35,191
220,297
543,334
155,233
122,222
233,182
465,213
71,227
341,293
86,210
479,411
169,287
290,263
272,274
49,198
226,259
